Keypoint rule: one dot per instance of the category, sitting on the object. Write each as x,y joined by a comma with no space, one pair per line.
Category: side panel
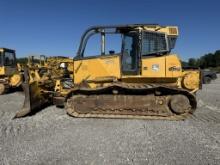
167,66
96,68
7,71
173,66
10,70
153,67
2,70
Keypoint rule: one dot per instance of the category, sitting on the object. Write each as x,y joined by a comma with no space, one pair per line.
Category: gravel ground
52,137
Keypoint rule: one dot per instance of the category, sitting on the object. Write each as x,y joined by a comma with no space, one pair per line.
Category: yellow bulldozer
144,80
10,77
42,66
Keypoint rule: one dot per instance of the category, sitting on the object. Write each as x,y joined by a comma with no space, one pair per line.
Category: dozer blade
34,98
31,101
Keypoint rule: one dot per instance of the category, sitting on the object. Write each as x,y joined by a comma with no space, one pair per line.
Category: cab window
112,45
9,59
153,43
93,46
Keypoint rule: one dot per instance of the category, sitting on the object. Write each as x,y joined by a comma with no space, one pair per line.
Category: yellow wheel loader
36,61
60,66
10,77
143,80
43,65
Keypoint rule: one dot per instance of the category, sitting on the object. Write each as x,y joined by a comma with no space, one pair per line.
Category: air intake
173,31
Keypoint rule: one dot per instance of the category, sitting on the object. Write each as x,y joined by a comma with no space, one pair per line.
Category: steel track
92,103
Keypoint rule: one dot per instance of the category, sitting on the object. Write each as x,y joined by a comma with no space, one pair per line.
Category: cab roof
6,49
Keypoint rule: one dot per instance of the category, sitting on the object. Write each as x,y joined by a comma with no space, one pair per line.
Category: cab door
130,54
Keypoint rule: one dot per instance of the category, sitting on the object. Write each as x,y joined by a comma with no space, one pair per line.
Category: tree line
22,60
210,60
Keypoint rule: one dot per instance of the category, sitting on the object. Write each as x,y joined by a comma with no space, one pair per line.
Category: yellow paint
168,66
97,67
173,66
98,70
10,73
166,69
58,86
54,62
191,79
2,71
16,80
153,67
169,30
7,71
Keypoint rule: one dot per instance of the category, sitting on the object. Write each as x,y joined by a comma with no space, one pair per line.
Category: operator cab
129,55
7,57
137,42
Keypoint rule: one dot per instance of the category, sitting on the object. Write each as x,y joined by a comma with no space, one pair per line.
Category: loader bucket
34,99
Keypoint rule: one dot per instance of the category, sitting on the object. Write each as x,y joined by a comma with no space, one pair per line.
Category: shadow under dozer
36,98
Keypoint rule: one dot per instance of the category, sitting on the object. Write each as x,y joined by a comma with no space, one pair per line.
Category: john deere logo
155,67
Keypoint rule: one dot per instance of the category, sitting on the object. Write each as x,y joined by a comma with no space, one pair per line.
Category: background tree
210,60
192,62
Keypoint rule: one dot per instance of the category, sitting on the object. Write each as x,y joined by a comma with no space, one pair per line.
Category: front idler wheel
179,104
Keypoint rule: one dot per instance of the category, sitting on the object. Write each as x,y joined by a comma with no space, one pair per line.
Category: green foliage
210,60
192,62
22,60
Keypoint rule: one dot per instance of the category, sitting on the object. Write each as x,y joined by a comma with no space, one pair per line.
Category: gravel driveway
52,137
